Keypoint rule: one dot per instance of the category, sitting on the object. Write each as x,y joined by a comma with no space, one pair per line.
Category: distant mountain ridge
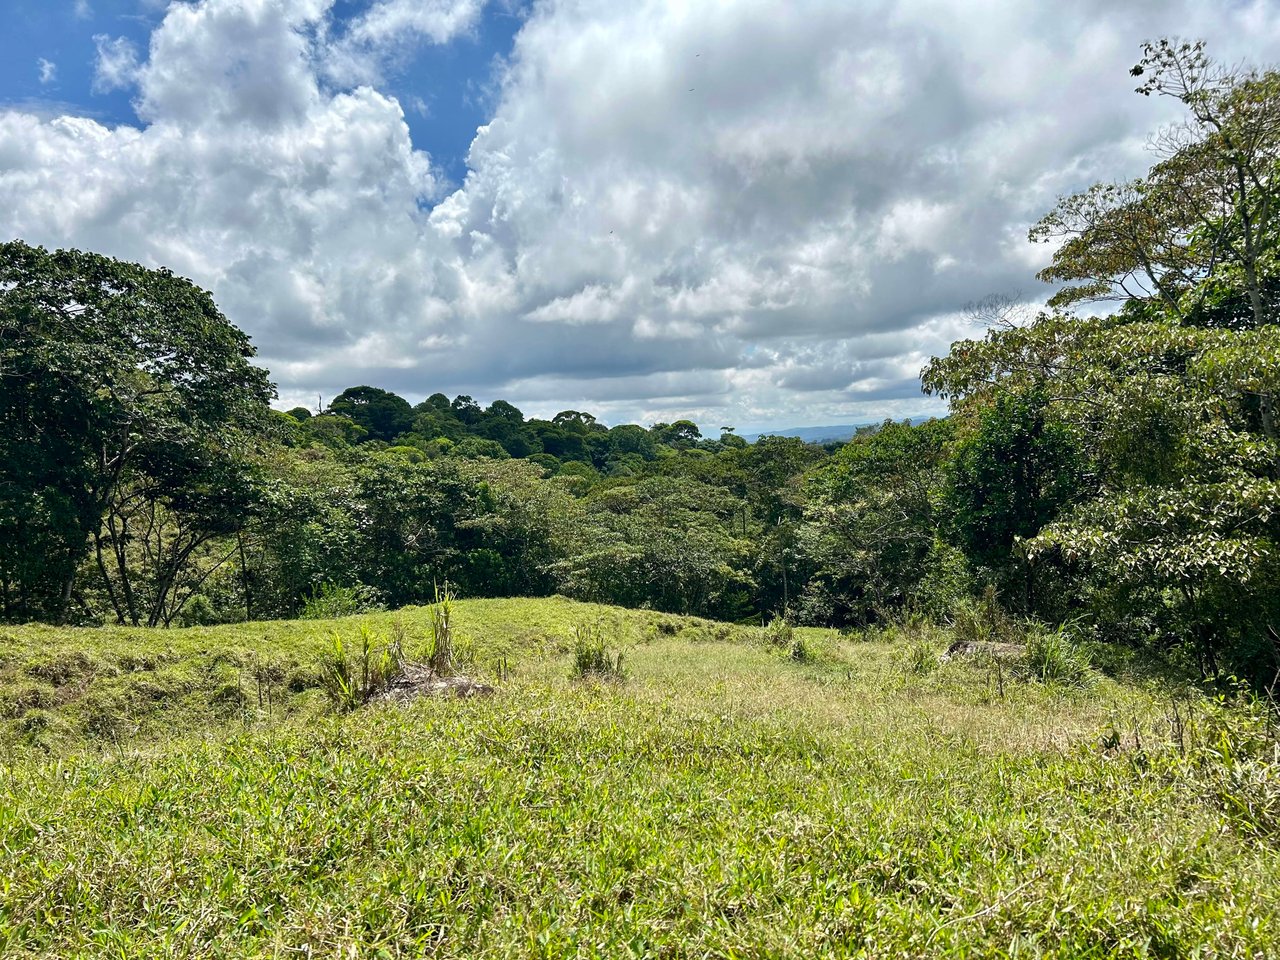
837,433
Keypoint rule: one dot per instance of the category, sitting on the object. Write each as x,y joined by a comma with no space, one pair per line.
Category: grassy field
192,793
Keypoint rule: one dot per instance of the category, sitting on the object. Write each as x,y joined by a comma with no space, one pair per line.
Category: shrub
798,651
986,622
330,601
353,679
922,656
1054,658
592,659
198,612
780,633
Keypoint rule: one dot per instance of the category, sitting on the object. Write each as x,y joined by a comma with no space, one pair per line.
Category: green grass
726,801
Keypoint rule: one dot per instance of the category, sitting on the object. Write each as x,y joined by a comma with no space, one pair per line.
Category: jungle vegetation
1109,465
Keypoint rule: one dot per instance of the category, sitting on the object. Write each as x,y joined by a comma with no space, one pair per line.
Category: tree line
1110,463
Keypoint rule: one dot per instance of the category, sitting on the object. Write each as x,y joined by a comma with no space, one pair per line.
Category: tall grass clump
922,656
1053,657
352,678
592,658
987,622
1225,751
444,656
782,635
779,633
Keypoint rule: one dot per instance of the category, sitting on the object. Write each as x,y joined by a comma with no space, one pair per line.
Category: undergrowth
352,679
593,659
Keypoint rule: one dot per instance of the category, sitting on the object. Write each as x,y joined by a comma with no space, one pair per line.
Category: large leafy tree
112,377
383,414
1012,474
872,536
1173,395
668,542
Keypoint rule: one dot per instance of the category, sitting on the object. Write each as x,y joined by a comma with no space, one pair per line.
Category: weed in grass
799,651
1052,657
986,622
1229,752
780,633
592,658
353,680
922,656
443,655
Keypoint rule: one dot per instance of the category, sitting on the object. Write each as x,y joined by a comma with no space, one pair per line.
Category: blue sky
446,90
762,213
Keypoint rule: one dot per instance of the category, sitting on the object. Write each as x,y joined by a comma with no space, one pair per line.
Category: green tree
669,543
872,537
1173,396
111,375
1012,475
382,414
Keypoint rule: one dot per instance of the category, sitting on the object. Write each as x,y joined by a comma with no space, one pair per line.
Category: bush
1053,657
592,659
779,633
330,601
986,622
353,679
798,651
198,612
922,656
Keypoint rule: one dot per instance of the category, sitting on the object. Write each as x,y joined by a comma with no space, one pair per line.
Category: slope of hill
838,433
190,793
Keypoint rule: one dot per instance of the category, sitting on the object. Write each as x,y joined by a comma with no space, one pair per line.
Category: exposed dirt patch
419,680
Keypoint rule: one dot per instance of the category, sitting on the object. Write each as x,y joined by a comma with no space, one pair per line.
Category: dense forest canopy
1112,472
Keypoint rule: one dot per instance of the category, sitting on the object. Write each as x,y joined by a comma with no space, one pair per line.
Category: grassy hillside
190,793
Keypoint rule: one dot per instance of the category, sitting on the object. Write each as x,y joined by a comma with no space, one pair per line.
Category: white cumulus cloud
748,212
116,67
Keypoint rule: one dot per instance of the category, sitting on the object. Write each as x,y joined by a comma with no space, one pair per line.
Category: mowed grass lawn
190,793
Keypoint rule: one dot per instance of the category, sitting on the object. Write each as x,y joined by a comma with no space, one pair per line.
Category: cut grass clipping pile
196,792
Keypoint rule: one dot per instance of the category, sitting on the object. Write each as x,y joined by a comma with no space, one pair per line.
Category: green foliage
443,656
379,413
330,600
780,633
126,401
352,679
592,657
670,544
1012,475
871,536
799,651
985,621
922,656
1174,543
1053,657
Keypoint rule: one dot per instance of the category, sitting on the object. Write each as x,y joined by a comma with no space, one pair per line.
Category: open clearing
190,793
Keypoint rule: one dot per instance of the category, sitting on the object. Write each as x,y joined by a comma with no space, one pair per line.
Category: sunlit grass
725,801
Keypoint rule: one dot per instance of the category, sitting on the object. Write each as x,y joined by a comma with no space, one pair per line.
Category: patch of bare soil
419,680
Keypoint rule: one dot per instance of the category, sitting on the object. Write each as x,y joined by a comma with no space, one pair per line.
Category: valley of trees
1110,464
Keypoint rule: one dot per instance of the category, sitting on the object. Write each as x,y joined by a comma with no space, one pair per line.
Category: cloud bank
748,212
